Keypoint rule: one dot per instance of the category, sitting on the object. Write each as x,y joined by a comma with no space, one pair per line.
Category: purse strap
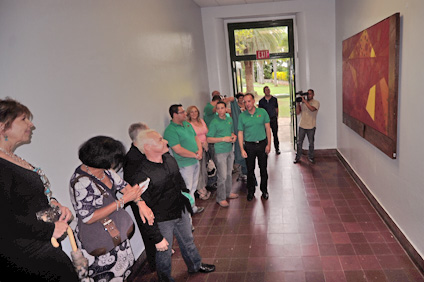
110,227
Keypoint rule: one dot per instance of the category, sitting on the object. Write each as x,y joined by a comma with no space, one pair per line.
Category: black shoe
296,161
250,197
311,160
278,152
206,268
265,196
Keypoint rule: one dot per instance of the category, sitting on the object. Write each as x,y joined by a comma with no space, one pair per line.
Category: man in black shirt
170,207
270,104
133,159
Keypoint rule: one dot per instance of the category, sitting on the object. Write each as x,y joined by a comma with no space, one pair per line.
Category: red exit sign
262,54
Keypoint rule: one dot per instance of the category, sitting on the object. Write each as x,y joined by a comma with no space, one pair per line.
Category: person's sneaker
296,161
250,197
278,151
311,160
224,204
265,196
198,210
233,196
205,268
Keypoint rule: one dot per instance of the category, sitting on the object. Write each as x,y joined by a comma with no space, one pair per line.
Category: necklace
43,177
89,172
18,159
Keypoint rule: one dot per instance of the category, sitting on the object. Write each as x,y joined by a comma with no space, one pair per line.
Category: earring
5,138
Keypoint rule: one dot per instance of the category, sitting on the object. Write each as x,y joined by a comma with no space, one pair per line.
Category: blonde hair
189,109
143,138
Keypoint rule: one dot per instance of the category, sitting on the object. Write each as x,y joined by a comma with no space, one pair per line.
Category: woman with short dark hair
26,251
93,187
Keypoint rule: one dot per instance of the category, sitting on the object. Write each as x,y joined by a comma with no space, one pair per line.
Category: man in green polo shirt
255,142
186,148
221,134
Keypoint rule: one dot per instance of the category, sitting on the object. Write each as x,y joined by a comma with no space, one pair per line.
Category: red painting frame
370,83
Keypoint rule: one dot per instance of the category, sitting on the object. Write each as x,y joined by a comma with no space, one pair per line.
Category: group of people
158,184
27,251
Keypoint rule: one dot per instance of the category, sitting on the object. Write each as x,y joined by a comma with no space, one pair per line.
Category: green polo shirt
220,128
185,136
253,126
208,114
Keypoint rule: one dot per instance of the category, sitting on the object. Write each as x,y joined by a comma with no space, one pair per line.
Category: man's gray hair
143,138
135,128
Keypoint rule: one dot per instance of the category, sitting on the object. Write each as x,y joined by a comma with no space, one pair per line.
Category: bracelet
122,202
139,199
117,205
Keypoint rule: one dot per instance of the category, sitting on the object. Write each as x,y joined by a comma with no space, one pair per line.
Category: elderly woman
26,252
199,126
93,189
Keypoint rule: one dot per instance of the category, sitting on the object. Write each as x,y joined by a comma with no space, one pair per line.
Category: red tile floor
316,226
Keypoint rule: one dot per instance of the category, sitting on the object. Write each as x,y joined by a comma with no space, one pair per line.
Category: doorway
262,54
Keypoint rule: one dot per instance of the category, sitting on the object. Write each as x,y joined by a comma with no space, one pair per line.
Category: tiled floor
316,226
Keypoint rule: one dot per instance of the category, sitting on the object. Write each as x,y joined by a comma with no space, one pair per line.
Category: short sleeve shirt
208,114
185,136
308,119
269,105
221,128
253,126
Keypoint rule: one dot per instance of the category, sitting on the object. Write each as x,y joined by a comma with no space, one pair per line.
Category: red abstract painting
370,75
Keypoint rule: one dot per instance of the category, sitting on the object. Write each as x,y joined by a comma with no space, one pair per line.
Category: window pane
274,39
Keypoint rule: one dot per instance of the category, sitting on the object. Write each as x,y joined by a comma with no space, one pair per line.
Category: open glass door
262,54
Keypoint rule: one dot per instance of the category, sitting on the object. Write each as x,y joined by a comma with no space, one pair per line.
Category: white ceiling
213,3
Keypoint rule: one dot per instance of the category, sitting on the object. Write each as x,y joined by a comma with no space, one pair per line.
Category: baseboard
321,152
410,250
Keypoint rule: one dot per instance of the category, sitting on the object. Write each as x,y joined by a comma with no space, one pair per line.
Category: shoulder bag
102,236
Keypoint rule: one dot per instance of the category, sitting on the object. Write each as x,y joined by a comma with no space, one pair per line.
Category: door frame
234,59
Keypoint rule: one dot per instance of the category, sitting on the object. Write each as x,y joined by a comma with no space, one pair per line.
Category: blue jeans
224,167
190,175
181,228
311,138
203,172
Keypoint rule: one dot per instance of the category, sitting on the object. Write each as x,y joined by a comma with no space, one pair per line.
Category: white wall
315,32
86,68
396,184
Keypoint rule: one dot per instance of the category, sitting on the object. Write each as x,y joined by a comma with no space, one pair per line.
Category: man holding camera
308,109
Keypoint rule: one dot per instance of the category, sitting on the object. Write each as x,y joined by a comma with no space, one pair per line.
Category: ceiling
214,3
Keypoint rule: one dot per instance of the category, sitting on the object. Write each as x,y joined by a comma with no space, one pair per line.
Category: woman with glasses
26,251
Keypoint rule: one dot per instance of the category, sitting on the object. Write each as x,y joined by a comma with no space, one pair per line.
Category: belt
254,142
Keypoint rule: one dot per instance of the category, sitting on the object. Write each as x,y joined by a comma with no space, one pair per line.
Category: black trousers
256,150
149,245
273,123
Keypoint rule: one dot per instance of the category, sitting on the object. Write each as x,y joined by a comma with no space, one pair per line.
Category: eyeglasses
182,112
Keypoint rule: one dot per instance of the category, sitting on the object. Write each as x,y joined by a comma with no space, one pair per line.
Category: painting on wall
370,83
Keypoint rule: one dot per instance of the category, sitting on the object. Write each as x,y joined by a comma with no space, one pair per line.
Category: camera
299,96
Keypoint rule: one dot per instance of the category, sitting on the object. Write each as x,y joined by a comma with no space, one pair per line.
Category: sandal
204,194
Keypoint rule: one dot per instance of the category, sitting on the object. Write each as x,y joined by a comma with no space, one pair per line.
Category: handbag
104,235
210,166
